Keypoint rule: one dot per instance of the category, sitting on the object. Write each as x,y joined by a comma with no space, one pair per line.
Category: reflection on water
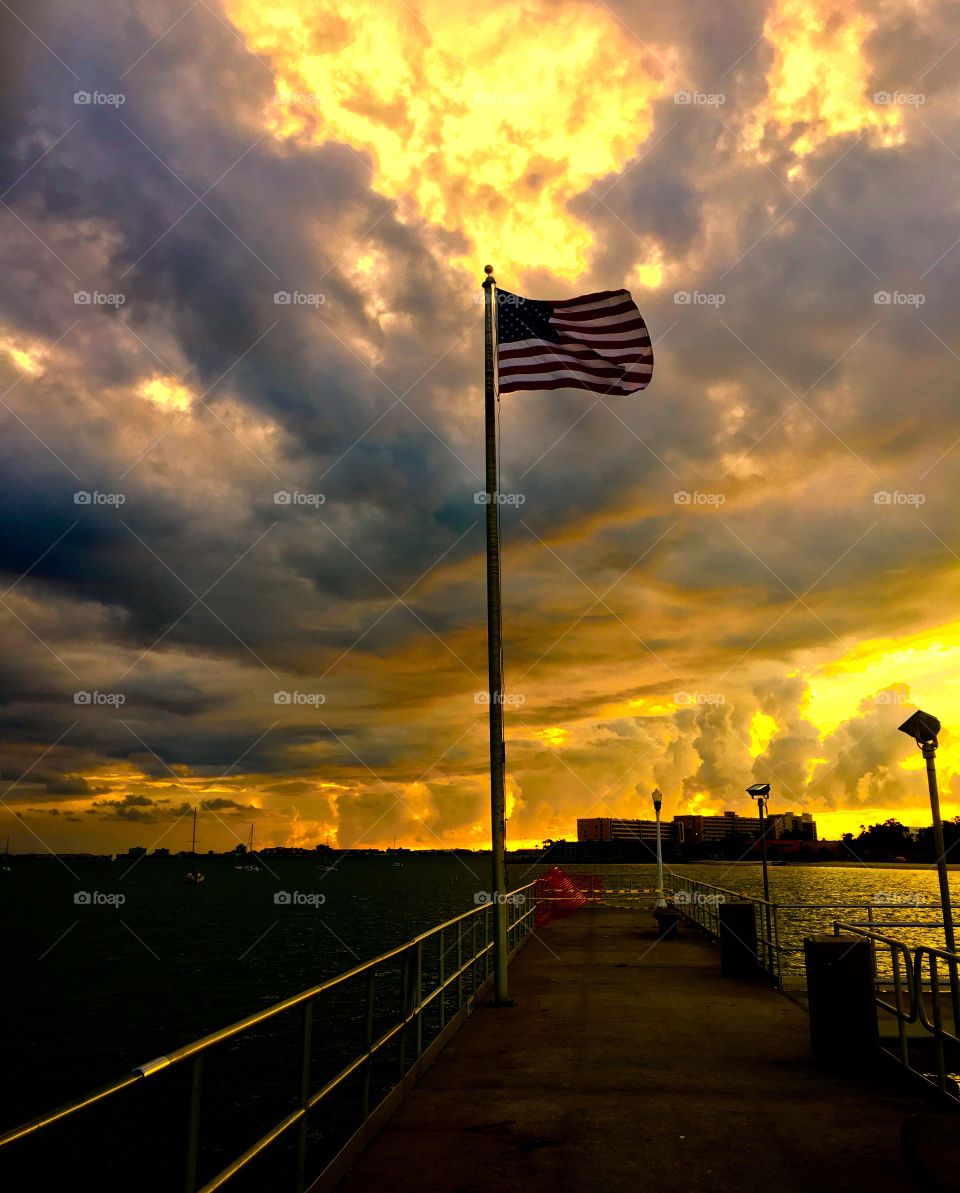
892,898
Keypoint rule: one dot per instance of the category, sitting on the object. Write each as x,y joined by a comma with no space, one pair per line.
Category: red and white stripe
604,347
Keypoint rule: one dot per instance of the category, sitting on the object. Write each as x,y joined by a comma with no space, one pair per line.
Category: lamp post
760,792
657,801
923,727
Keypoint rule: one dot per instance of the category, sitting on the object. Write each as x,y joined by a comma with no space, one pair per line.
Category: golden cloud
818,85
487,121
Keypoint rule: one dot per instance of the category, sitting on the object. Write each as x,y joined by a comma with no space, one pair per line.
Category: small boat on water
195,876
248,867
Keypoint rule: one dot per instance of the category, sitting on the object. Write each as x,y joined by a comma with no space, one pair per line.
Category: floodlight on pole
760,792
924,728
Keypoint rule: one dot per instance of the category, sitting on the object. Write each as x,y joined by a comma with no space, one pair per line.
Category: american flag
597,342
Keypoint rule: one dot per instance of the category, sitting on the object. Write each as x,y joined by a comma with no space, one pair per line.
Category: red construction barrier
558,893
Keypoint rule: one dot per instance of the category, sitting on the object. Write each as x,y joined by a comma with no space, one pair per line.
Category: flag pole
498,828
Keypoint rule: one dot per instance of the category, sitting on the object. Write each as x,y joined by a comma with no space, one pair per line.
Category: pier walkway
629,1065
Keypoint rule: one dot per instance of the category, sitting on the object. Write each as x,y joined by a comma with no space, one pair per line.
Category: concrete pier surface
629,1065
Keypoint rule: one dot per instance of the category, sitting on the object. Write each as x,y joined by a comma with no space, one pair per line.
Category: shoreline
851,865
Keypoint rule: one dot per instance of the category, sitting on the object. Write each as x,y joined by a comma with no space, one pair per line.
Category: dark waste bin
738,941
843,1010
668,922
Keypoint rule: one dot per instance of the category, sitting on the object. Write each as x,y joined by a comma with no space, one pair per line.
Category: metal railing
442,973
780,927
918,995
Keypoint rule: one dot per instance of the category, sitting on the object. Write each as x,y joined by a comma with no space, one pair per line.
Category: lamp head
758,790
923,727
657,799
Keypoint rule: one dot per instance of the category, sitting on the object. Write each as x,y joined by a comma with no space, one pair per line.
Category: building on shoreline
604,828
698,830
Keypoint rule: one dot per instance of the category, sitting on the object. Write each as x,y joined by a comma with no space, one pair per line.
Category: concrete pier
629,1065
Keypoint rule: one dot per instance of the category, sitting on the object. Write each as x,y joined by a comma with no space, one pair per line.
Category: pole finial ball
488,269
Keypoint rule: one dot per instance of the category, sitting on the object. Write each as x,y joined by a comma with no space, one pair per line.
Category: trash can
738,941
843,1011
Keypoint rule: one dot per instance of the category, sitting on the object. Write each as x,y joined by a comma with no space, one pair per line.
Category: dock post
843,1010
738,940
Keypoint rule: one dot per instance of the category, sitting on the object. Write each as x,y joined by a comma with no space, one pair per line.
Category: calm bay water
98,986
888,894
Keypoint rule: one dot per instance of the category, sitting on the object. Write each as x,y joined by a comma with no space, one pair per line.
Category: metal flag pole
498,827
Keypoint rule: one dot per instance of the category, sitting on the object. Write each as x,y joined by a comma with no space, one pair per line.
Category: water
110,986
888,894
95,988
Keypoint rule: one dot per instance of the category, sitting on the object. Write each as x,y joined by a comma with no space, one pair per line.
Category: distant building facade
790,825
606,828
698,830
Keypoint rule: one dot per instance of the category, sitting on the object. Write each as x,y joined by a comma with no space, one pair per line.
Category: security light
923,727
759,790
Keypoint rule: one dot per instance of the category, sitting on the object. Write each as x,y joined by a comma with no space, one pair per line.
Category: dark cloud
198,598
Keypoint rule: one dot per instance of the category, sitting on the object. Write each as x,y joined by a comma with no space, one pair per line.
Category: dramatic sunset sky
372,157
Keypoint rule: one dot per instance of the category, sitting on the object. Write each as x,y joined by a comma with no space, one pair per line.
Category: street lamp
760,792
923,727
657,801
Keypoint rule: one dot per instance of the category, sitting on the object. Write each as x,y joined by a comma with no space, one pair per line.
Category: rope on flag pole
498,827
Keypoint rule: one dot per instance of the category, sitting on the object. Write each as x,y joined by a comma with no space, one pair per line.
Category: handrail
771,947
277,1008
414,1002
916,1011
